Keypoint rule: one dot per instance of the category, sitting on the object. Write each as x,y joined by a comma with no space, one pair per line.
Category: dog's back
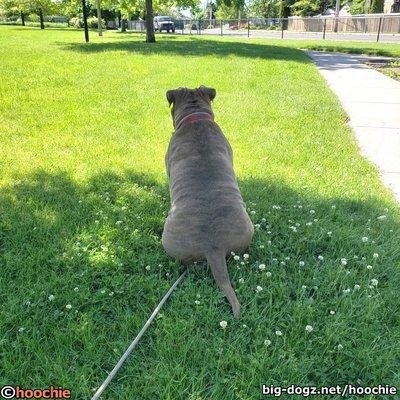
208,218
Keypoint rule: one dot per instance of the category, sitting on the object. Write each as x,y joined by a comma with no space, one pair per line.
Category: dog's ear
171,94
208,92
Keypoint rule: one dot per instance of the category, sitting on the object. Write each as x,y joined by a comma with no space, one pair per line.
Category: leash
128,351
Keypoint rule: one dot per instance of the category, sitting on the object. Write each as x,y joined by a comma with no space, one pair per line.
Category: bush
77,22
92,23
33,18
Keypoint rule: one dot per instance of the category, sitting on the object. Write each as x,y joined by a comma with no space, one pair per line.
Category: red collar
196,116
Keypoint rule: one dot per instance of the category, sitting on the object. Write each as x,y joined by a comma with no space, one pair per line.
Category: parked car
163,23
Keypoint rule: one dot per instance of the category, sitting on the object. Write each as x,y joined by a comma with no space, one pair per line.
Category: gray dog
207,219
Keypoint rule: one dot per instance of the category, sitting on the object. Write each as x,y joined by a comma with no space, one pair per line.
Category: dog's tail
219,269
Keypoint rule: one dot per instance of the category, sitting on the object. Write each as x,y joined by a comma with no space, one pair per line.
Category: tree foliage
306,8
265,8
376,6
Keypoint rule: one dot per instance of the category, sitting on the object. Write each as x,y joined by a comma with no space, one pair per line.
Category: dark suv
164,24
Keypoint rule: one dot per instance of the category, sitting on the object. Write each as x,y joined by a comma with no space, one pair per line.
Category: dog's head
186,101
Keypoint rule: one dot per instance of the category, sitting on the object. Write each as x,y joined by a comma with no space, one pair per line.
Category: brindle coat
207,219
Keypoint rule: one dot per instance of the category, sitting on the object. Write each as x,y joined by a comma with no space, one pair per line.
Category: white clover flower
111,294
236,258
312,211
28,303
339,347
241,262
232,253
118,223
304,287
343,261
267,342
375,255
68,306
244,326
357,287
308,223
332,312
274,259
263,220
197,302
269,242
51,297
315,220
246,256
382,217
309,328
259,289
76,289
364,239
261,246
302,263
333,207
321,258
268,274
345,291
20,330
369,267
283,263
252,212
278,333
241,280
329,233
355,257
223,324
148,268
261,267
103,291
374,282
257,226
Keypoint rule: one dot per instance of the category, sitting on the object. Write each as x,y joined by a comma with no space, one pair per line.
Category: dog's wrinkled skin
208,218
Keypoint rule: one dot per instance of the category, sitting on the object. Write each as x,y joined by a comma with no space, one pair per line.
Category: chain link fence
377,27
384,27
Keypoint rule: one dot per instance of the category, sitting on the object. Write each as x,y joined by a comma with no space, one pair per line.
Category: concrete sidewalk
372,101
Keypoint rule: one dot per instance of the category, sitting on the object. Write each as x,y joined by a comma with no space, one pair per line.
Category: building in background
391,6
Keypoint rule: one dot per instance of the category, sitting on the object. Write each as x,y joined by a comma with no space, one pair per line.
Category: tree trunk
22,19
123,25
41,18
85,25
119,19
99,27
150,37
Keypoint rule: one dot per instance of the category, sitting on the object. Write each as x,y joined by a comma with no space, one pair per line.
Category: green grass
83,197
369,48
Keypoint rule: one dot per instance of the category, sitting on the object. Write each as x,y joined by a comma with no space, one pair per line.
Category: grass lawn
83,198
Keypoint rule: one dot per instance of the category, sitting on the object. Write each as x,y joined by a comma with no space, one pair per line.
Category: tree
150,36
376,6
357,7
13,7
41,8
265,8
306,8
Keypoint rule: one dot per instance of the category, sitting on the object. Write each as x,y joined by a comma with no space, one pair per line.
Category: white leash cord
128,351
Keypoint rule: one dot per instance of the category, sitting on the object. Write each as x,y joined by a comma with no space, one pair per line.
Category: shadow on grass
191,46
44,214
